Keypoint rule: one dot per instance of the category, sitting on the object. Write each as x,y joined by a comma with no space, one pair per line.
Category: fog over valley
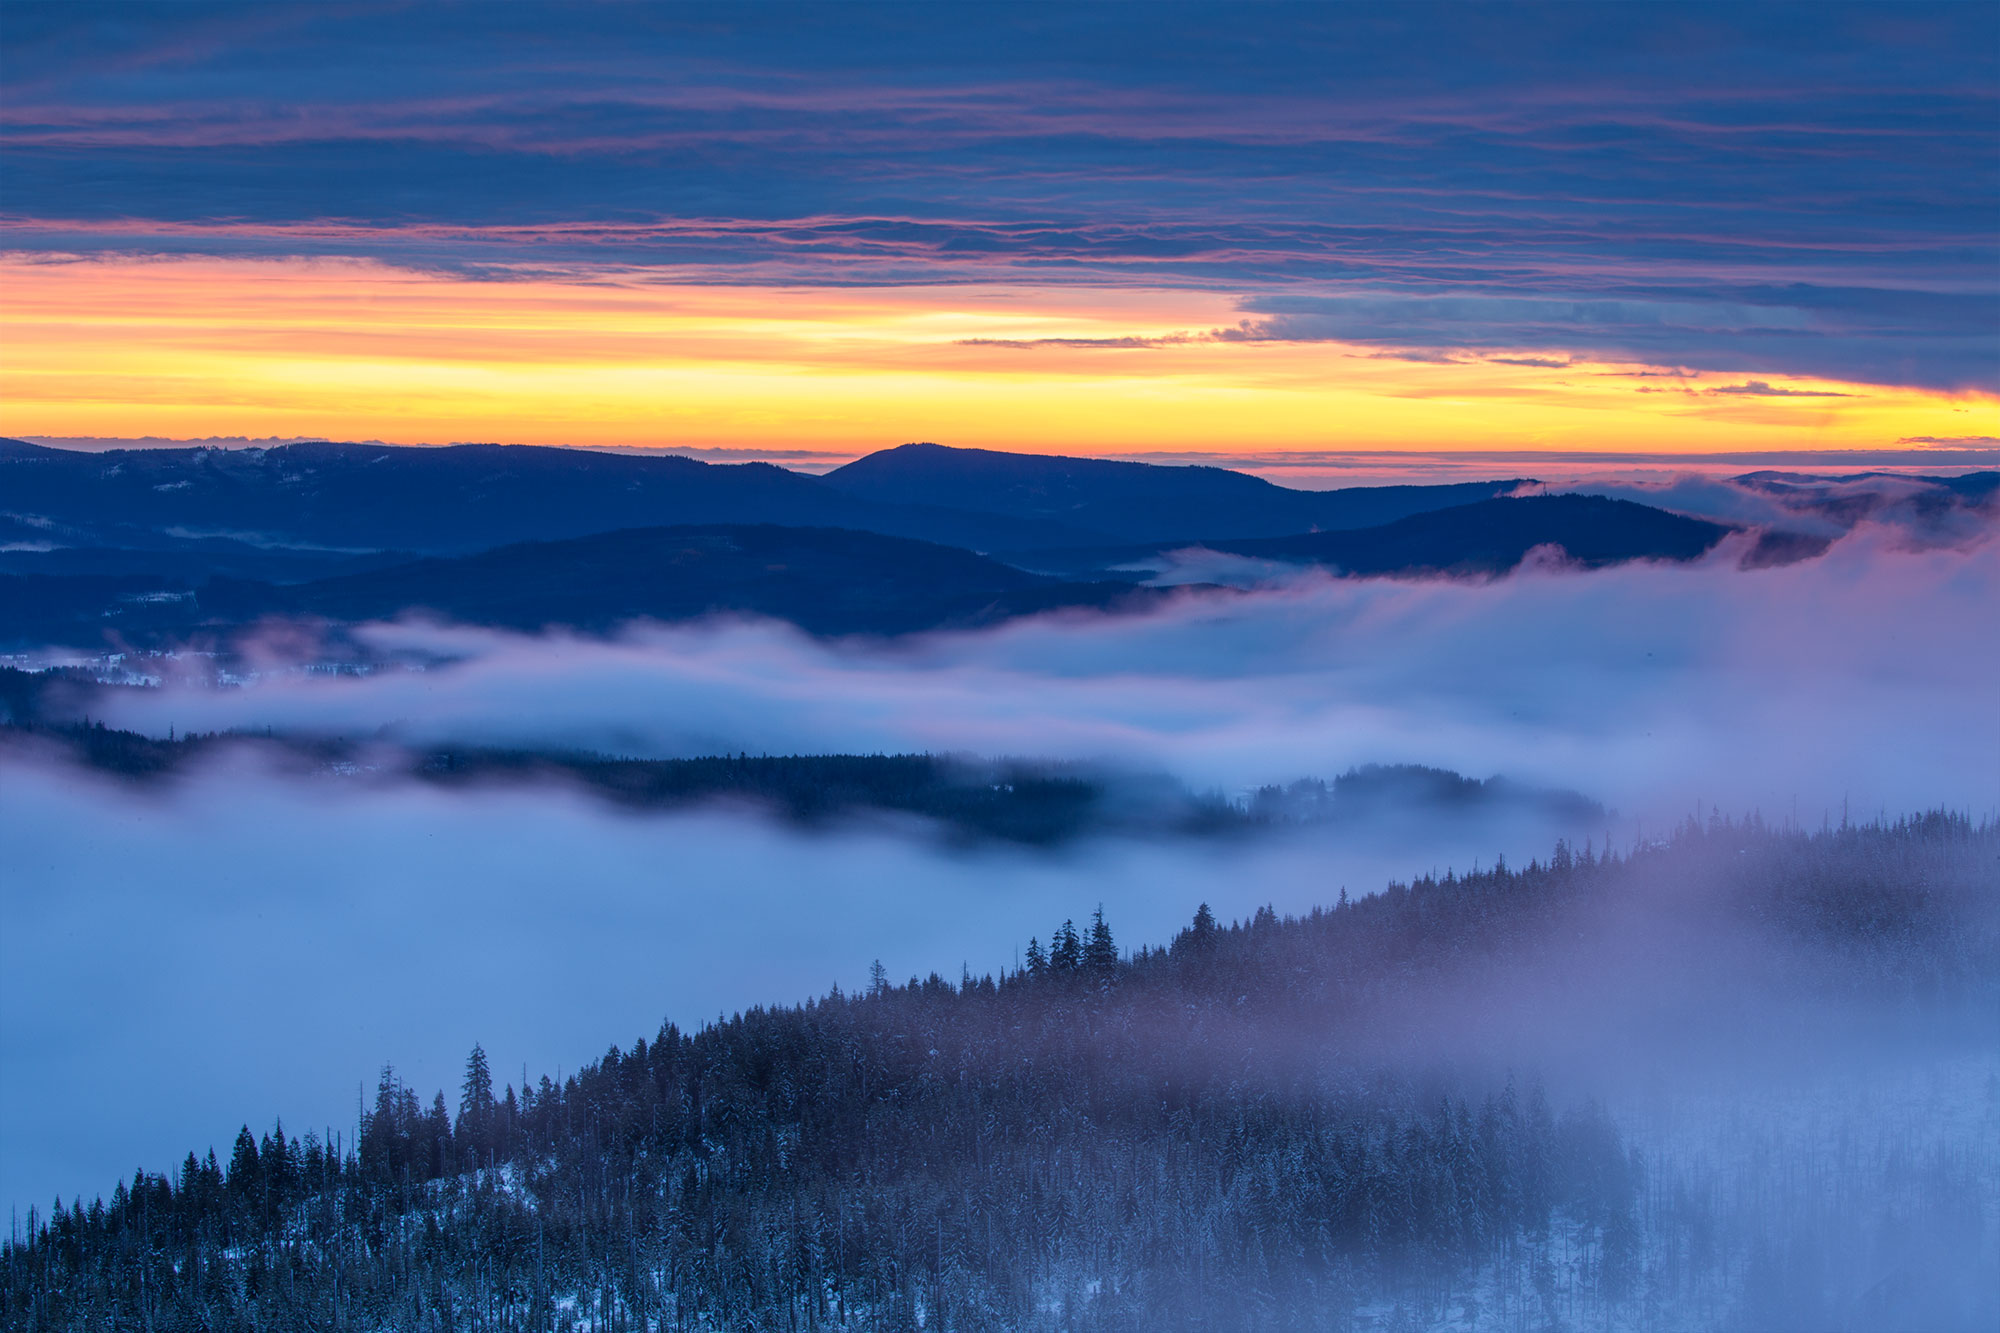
345,923
1861,675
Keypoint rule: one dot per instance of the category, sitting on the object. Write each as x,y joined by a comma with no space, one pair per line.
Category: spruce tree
1100,954
1198,938
243,1173
1067,953
475,1107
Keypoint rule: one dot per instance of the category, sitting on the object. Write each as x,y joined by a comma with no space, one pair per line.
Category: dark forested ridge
830,581
451,500
1278,1124
824,580
149,548
1486,538
1016,800
1135,502
1493,536
827,581
471,497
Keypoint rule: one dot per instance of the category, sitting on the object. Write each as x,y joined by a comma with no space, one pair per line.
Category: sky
1164,229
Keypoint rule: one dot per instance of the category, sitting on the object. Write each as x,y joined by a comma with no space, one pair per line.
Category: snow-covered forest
1740,1078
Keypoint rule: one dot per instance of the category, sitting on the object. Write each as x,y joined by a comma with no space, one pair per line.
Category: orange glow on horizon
348,349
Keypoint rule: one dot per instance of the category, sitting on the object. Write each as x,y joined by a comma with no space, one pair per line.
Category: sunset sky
1117,230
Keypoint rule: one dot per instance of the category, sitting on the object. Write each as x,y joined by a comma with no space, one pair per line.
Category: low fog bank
1782,517
1862,1197
964,800
248,943
1861,678
1916,511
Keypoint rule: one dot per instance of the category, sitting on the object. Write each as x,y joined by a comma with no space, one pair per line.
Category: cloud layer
1859,674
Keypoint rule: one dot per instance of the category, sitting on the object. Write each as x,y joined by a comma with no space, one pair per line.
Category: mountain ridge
452,499
1489,537
1135,501
828,581
455,499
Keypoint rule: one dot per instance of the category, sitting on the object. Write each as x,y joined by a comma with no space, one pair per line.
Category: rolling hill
1133,502
825,580
310,503
443,501
829,581
1486,538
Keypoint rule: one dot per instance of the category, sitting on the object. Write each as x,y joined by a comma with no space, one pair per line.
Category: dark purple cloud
1760,389
1759,190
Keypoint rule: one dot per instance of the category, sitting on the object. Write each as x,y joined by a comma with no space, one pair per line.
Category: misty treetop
1276,1123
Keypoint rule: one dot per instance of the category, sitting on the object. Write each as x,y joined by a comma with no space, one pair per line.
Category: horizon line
1974,452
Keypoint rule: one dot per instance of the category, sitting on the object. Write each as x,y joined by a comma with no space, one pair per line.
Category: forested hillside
825,580
1136,502
1338,1121
1479,540
458,499
472,497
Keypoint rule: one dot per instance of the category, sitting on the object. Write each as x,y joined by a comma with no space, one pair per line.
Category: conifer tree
1100,953
275,1159
475,1106
243,1164
1199,938
1067,953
